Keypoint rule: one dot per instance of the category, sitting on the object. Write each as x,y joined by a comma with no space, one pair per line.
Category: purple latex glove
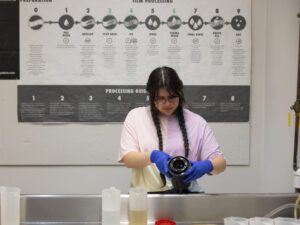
197,170
161,160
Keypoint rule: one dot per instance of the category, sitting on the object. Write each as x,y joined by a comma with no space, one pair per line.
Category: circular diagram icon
217,22
195,22
195,41
87,22
238,41
36,22
66,40
174,41
109,40
152,40
238,22
109,22
131,22
127,40
152,22
217,41
87,40
174,22
66,22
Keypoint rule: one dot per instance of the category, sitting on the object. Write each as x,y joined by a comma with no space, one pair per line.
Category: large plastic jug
10,205
138,206
111,206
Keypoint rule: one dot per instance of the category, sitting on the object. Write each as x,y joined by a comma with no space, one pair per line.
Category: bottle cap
165,222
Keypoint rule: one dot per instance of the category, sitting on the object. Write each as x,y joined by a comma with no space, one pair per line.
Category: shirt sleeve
210,148
129,138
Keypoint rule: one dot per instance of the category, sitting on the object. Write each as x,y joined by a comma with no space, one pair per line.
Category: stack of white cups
286,221
10,205
260,221
236,221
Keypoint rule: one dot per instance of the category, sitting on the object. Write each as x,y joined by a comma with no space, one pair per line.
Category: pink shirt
139,134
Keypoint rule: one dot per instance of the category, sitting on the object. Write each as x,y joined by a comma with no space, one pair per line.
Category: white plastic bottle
111,206
10,206
138,206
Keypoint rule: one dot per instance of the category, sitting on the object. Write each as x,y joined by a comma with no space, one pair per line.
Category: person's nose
167,102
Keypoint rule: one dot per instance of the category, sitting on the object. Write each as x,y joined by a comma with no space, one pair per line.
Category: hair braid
181,121
159,135
157,126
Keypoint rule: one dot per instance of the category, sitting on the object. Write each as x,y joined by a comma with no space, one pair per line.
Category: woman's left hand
197,170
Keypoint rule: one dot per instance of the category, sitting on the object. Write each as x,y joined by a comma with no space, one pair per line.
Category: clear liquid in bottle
111,205
110,217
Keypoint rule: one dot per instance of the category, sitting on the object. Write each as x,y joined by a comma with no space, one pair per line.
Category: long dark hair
166,77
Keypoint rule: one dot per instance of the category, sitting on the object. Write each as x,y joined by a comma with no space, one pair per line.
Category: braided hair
167,78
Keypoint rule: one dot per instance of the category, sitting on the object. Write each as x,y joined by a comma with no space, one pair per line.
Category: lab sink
189,209
122,223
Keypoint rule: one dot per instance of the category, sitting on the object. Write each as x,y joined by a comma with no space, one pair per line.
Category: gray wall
275,30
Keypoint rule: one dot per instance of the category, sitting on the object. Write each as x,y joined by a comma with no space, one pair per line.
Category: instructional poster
88,61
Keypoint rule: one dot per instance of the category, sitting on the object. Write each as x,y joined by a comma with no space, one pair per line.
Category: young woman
152,135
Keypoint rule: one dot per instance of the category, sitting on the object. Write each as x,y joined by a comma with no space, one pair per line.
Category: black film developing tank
177,168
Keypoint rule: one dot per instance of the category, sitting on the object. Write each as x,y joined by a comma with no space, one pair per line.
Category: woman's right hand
161,160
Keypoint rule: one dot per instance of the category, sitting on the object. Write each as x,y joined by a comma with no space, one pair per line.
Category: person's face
166,102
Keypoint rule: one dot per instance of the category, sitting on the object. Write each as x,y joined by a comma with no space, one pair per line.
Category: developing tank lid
178,165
